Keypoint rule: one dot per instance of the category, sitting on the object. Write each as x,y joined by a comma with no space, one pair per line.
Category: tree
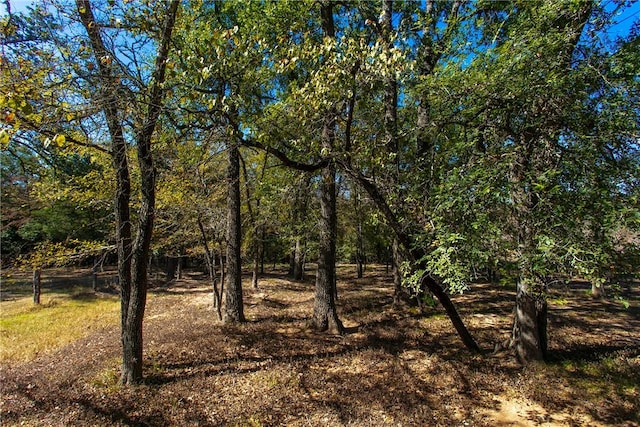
132,254
48,191
522,152
299,224
191,206
233,291
368,163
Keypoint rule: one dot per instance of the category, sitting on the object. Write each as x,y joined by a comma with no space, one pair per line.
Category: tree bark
132,257
359,237
256,267
597,290
446,302
298,260
210,259
400,294
222,268
325,315
299,208
256,242
390,99
529,333
94,277
172,268
234,310
359,252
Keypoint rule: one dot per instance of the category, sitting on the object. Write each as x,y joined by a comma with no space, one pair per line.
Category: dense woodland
458,141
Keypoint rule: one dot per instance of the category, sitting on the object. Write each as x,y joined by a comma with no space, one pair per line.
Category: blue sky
624,20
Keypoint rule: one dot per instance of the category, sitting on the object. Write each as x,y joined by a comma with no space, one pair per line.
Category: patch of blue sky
624,18
16,6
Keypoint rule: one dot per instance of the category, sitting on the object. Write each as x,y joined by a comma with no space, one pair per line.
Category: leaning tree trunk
413,253
234,310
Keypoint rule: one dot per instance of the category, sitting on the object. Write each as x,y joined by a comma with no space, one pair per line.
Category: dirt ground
393,367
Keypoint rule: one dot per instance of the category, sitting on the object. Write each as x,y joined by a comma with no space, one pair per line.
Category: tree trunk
292,257
359,239
222,268
256,267
413,252
400,294
359,264
446,302
262,250
217,296
299,207
234,310
597,290
253,217
132,258
121,167
529,335
132,333
210,259
533,156
325,315
298,261
390,99
37,285
94,277
172,268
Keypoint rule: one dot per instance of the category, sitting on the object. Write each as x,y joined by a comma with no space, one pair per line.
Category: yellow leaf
59,140
4,139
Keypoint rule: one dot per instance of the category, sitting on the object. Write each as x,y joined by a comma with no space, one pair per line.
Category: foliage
515,149
71,252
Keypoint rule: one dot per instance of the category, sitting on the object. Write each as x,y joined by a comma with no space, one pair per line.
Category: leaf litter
394,366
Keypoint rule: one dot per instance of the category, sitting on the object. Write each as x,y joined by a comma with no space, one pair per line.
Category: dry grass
65,314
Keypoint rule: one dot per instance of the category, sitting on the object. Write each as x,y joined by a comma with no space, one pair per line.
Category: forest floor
394,366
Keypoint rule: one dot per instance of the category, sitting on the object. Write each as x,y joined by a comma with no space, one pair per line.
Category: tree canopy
488,139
